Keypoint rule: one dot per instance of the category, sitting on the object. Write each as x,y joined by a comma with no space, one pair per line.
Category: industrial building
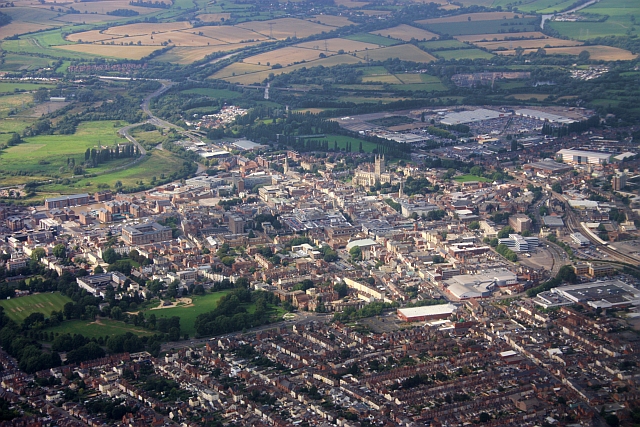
604,294
570,155
479,285
543,116
145,233
431,312
580,239
478,115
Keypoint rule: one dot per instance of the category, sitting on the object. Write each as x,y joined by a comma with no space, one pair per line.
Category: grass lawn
201,304
18,309
44,155
469,178
342,140
159,162
98,328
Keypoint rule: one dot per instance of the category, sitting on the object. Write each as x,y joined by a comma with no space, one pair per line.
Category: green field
342,140
201,304
214,93
159,162
470,178
463,54
618,23
372,38
14,62
13,87
44,155
98,328
415,87
484,27
18,309
17,102
436,45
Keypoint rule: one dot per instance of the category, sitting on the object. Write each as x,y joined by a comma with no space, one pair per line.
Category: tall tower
286,165
400,190
379,166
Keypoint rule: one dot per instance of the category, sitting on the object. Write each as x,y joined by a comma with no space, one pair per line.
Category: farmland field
463,54
604,53
12,87
239,68
176,38
332,21
215,93
18,309
285,27
372,38
621,19
481,16
528,96
10,103
527,44
484,27
334,45
213,17
389,78
501,36
404,52
227,34
113,51
286,56
258,77
406,33
187,55
142,28
17,27
427,87
444,45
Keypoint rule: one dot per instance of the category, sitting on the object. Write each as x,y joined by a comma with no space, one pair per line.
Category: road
306,318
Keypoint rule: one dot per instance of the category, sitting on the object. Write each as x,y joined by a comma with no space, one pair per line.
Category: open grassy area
98,328
13,87
159,162
18,309
214,93
470,178
342,141
201,304
44,155
619,22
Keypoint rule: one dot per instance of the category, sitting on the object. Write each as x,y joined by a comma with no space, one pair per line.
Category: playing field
470,178
18,309
406,33
285,27
406,52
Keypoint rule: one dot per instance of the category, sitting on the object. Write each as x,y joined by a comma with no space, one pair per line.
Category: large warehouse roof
430,310
470,116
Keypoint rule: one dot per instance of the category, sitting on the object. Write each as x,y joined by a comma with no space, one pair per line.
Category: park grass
18,309
102,327
470,178
201,304
214,93
159,162
44,155
460,54
342,141
372,38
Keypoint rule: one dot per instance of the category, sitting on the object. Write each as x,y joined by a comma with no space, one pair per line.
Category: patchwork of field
112,51
389,78
213,17
15,28
620,21
527,44
238,69
598,53
258,77
286,56
145,28
405,52
372,38
228,34
468,17
463,54
511,26
285,27
406,33
501,36
335,45
188,55
332,21
444,45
